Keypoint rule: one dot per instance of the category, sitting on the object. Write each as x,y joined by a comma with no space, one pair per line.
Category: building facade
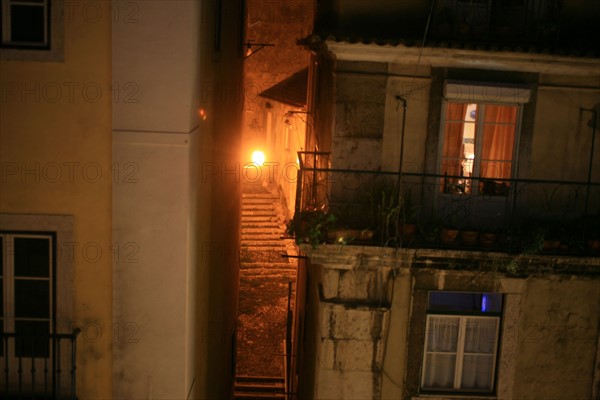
475,116
119,208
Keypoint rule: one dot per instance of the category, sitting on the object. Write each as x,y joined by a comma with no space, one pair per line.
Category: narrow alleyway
265,279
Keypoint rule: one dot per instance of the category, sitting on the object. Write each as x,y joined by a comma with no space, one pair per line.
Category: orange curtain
453,138
498,141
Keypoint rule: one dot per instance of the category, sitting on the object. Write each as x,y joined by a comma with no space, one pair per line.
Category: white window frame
7,39
476,178
482,94
9,279
460,353
62,227
53,48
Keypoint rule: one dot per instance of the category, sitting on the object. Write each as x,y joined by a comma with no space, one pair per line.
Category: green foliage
311,226
385,210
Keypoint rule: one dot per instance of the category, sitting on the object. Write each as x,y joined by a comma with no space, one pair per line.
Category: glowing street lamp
258,158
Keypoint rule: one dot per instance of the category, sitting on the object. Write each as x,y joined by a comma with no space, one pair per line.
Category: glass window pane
480,335
465,302
32,257
27,24
32,339
32,299
477,372
442,334
439,371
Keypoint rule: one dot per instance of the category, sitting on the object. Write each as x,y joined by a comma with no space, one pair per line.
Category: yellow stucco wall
55,152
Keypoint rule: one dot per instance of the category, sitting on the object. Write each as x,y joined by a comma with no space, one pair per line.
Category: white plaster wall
156,96
151,217
155,65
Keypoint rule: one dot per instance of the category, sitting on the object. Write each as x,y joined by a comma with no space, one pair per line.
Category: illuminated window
478,142
25,23
461,342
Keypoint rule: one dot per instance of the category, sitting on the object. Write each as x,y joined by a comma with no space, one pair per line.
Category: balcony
38,366
422,210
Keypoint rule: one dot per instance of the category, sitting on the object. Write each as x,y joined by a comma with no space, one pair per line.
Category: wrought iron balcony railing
38,366
366,199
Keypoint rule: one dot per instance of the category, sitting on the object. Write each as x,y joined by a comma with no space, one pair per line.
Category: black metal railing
38,366
359,198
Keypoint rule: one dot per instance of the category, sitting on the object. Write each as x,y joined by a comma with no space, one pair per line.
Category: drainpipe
399,182
403,100
591,164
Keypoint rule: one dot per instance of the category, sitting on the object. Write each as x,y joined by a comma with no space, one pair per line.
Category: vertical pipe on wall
591,162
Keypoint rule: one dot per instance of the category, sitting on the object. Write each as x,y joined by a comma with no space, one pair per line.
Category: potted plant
469,236
311,226
430,229
487,238
408,226
592,234
385,211
454,212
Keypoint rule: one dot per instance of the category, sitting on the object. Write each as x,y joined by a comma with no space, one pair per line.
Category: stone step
278,277
259,196
271,386
259,200
250,219
271,265
263,245
268,271
254,230
273,226
258,205
258,213
260,237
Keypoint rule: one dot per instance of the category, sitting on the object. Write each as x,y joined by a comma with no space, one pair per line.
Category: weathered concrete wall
359,117
370,308
558,339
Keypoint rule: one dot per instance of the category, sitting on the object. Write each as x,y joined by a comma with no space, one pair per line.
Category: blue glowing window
465,302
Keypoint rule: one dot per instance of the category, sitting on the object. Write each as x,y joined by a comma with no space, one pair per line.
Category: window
25,23
27,289
461,342
479,142
33,30
36,305
479,133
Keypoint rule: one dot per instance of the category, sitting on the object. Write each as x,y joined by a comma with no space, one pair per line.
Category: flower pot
469,237
448,235
366,234
593,245
487,239
407,232
551,245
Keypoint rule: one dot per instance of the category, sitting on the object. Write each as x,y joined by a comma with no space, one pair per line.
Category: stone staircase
259,388
264,278
262,245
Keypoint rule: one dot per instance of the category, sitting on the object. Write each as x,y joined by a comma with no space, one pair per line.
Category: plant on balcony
407,227
311,226
385,211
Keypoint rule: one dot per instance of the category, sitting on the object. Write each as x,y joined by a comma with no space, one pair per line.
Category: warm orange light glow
258,157
202,114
